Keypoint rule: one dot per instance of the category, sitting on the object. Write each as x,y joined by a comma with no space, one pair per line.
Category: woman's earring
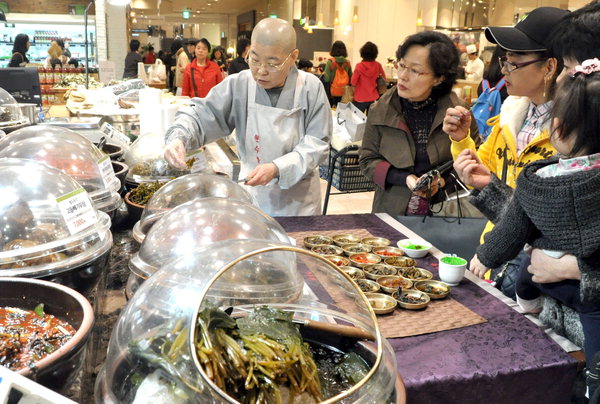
545,86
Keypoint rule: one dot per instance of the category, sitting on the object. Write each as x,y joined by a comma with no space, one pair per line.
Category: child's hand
471,170
477,267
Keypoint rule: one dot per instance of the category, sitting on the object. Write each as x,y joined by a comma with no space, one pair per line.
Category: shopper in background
170,60
338,61
281,118
365,77
520,135
239,63
202,74
132,59
19,51
218,56
182,60
474,67
150,57
56,56
190,46
493,73
403,136
306,65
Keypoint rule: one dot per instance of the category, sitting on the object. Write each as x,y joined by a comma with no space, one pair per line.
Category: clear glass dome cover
10,112
146,163
184,189
153,346
83,161
43,131
37,237
201,222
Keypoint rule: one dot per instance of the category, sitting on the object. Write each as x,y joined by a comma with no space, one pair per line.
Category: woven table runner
440,315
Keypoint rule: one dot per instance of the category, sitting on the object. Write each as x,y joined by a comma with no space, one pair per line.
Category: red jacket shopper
364,80
198,80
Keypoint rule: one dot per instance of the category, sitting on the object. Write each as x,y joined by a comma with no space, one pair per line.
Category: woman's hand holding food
457,123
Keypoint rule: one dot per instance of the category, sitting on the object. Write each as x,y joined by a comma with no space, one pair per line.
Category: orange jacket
198,80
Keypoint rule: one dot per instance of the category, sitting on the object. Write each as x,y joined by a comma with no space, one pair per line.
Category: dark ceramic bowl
135,210
120,170
58,370
113,150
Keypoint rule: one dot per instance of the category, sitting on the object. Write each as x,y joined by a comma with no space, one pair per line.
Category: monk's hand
262,174
175,154
457,123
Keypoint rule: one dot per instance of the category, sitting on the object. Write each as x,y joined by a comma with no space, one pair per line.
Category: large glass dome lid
83,161
43,131
10,112
158,346
184,189
201,222
47,222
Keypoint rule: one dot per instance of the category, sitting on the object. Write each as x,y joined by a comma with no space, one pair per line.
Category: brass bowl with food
368,286
435,289
327,249
387,252
338,260
391,283
362,259
343,239
415,274
376,241
374,271
411,299
350,249
380,303
400,262
315,240
353,272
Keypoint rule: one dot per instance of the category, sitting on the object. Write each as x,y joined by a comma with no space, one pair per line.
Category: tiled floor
359,202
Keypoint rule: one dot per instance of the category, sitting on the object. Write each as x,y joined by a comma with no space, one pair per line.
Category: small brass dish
376,241
415,274
338,260
367,286
350,249
411,299
353,272
434,289
362,259
400,262
374,271
315,240
327,249
387,252
381,304
343,239
391,283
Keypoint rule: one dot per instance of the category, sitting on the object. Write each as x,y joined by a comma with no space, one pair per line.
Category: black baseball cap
531,34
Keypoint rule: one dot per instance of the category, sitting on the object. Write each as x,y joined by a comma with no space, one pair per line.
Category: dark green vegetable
39,310
142,194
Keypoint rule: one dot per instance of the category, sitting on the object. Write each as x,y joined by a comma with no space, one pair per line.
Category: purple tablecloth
508,359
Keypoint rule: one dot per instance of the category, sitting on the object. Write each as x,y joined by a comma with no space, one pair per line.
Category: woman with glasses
403,137
282,123
202,74
520,134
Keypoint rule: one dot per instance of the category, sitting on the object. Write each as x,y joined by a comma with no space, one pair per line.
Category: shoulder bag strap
193,75
505,164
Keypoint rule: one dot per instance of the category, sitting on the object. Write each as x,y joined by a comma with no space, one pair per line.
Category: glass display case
330,340
48,226
11,116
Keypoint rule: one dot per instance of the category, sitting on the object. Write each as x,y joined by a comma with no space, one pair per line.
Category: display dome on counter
49,228
11,116
192,333
184,189
198,223
80,159
47,131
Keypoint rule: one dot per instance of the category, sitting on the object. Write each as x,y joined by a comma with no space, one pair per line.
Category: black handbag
381,85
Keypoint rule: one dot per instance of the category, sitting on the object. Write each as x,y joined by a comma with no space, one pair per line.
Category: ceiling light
132,13
119,2
134,20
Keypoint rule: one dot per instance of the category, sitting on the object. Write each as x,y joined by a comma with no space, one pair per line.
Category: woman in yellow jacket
520,133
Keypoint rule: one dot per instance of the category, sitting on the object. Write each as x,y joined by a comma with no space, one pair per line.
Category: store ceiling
199,9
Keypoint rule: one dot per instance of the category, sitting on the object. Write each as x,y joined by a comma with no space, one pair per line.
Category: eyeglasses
412,72
511,67
269,67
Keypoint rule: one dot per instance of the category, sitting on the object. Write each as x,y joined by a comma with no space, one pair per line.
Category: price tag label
115,134
108,174
77,210
199,161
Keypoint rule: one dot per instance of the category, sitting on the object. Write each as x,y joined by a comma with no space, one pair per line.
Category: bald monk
282,122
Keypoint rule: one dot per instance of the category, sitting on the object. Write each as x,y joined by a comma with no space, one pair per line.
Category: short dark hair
219,49
338,49
205,42
241,46
150,48
20,44
493,73
134,45
369,51
60,43
304,63
443,58
576,106
577,36
176,45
